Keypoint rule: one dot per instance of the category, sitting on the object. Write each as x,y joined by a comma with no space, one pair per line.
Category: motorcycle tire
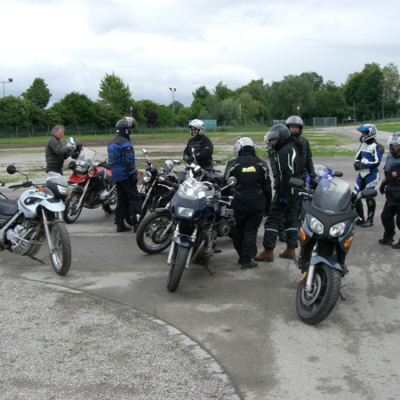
148,235
110,208
314,307
175,274
71,212
61,255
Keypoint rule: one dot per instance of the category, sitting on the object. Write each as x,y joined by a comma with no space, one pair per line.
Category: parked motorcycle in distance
25,224
195,208
93,186
158,185
326,233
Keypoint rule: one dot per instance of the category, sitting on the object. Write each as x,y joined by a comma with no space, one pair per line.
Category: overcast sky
156,44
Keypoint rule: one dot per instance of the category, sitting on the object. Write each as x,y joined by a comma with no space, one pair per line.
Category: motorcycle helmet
280,132
294,120
370,131
125,125
71,144
197,124
242,142
394,140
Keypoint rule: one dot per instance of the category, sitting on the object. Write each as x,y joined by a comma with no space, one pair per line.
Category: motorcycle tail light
348,242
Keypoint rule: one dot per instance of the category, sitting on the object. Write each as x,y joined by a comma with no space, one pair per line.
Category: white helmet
71,144
242,142
197,124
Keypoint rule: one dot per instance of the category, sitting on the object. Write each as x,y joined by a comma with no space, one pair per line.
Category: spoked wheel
314,306
72,212
175,274
111,205
155,233
61,254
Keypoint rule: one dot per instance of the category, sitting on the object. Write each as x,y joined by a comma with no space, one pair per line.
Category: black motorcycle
326,233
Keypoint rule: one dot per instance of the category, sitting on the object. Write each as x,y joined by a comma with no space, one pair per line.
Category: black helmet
294,120
394,140
125,125
280,132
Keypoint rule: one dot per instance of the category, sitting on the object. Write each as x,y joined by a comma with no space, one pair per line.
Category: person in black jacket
121,156
391,186
284,204
199,148
252,196
56,153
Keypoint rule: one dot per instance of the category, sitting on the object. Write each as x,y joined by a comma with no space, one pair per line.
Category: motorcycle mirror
2,183
177,162
144,151
369,193
11,169
297,183
338,174
231,181
72,165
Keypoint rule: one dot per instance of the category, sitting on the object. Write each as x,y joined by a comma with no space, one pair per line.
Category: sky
154,45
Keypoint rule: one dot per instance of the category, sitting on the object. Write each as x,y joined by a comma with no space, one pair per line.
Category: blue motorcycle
196,209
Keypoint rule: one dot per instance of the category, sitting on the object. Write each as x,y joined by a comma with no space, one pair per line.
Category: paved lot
246,320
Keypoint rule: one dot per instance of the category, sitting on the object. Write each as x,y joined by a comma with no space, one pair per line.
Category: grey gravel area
61,344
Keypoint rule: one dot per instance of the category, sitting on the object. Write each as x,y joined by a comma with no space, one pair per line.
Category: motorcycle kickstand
37,259
205,266
340,294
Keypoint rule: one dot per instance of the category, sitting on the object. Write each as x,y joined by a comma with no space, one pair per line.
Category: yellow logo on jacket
249,169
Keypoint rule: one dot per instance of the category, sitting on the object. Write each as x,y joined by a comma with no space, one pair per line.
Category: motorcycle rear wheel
314,307
148,235
175,274
71,212
61,256
110,208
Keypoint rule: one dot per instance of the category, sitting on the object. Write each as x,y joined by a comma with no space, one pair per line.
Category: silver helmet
295,120
242,142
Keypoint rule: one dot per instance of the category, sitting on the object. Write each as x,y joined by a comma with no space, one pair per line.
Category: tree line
364,95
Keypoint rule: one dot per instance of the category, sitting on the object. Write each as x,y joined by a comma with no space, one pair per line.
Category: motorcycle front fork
47,230
83,194
173,245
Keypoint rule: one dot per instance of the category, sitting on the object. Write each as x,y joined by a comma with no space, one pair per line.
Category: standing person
391,186
121,156
284,203
367,161
56,153
252,196
199,147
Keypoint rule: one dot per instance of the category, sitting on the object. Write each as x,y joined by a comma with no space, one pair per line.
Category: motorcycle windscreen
332,196
191,189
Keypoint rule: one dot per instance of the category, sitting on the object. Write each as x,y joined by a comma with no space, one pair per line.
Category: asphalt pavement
110,328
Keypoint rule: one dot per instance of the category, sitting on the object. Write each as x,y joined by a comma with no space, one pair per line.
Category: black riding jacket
203,150
56,153
392,178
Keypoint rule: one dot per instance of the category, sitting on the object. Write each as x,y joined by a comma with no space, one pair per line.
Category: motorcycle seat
8,207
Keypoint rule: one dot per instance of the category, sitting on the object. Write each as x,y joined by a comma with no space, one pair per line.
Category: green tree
249,107
229,111
176,106
329,103
391,86
149,111
201,93
38,93
259,92
15,111
76,108
222,91
315,79
165,116
114,92
184,115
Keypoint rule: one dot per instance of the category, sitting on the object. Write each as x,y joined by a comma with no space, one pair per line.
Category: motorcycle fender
162,211
326,260
183,241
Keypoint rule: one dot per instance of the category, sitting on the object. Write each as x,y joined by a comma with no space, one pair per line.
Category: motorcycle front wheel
175,274
315,306
150,235
72,212
61,254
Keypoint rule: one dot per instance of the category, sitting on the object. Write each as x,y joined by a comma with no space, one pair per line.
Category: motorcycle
158,186
196,208
93,186
156,230
25,224
326,233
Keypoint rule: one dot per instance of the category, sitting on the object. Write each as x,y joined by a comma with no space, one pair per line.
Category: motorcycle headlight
146,176
316,226
63,189
185,212
337,229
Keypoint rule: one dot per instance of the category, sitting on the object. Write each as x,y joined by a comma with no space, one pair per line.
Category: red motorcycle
93,186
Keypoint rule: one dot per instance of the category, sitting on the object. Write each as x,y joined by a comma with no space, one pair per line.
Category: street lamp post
9,81
173,90
383,109
298,111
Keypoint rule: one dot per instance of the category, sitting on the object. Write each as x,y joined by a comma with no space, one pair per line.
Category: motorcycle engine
23,247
